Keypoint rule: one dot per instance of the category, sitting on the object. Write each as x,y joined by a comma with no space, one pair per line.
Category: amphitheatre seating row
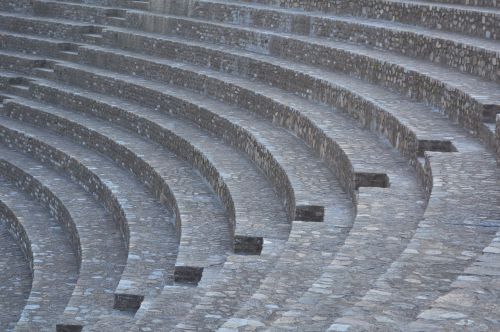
53,258
16,276
100,244
284,113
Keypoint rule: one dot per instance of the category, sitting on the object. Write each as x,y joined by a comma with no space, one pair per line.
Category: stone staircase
250,165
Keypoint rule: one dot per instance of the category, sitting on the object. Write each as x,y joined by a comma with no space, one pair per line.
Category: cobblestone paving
252,165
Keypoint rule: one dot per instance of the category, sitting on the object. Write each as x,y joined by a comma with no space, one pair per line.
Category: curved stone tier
253,165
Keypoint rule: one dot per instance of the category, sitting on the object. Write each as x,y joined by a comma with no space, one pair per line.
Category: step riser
38,47
479,3
465,58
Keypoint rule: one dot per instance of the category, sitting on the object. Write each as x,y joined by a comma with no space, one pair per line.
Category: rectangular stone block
309,213
128,302
69,328
435,146
188,274
248,245
380,180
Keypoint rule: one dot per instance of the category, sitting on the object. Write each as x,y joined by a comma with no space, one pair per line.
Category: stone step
204,230
472,302
379,234
49,28
458,225
420,113
270,210
467,54
395,184
295,180
446,89
200,75
476,21
54,258
211,171
15,273
234,283
328,243
407,116
479,3
299,190
147,225
102,253
470,119
488,135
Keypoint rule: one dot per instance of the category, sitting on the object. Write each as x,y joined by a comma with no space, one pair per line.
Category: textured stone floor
249,165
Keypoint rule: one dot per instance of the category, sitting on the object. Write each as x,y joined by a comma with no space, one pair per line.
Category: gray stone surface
15,277
321,165
53,258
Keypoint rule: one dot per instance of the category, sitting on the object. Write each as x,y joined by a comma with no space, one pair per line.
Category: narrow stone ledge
188,274
248,245
128,302
435,146
380,180
69,328
310,213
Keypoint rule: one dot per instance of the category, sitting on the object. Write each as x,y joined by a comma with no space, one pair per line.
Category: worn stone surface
257,164
15,278
53,258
